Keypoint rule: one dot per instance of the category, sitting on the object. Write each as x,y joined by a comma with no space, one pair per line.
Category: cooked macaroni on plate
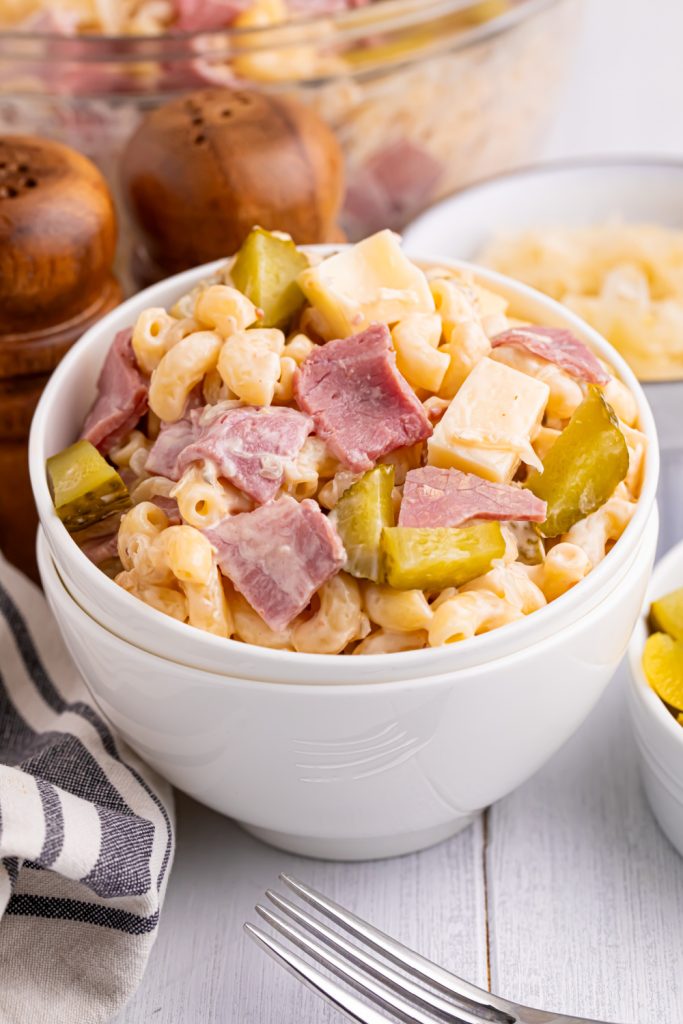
624,279
351,454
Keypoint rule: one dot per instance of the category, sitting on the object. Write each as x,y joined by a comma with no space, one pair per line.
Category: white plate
567,192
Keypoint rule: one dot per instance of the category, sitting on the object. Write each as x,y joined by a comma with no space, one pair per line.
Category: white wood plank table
566,895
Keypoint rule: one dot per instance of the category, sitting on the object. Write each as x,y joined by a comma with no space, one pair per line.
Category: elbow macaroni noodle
179,371
594,533
338,621
416,339
469,613
249,363
203,500
225,310
397,611
250,628
384,641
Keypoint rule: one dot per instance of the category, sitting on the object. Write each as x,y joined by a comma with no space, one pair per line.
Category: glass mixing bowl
425,95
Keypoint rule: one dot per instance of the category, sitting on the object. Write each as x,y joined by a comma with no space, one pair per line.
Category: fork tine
377,968
368,986
482,1002
324,987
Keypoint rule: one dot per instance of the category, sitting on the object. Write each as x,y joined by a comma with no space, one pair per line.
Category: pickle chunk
663,667
360,515
666,614
418,558
583,467
84,487
266,270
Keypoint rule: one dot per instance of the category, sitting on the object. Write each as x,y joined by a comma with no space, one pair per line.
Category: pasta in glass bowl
377,73
414,741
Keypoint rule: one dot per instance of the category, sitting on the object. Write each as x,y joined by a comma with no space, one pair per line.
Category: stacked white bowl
330,756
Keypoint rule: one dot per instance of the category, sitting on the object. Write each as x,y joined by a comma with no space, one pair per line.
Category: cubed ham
249,446
447,497
278,556
207,15
101,549
361,405
172,441
121,396
556,345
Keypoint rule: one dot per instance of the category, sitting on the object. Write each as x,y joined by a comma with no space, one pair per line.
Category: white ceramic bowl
658,734
57,423
353,772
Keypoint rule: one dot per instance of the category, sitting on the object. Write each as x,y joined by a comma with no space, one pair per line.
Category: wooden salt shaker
201,171
57,242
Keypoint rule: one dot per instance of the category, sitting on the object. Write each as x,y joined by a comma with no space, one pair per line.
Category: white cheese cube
372,282
489,303
488,427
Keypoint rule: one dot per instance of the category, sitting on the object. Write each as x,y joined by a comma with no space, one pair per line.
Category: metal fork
420,992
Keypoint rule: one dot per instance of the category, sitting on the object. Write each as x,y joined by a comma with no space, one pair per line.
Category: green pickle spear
418,558
666,614
266,270
663,667
360,515
583,467
84,487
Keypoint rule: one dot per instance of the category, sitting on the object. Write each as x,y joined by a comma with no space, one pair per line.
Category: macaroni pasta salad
351,454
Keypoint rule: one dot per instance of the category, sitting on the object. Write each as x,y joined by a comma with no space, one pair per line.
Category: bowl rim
182,282
47,564
601,162
649,702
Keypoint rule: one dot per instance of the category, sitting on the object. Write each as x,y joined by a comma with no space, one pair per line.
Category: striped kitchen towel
86,833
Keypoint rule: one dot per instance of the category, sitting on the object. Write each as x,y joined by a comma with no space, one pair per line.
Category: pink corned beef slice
172,441
447,497
361,405
121,396
250,446
206,15
278,556
100,549
557,345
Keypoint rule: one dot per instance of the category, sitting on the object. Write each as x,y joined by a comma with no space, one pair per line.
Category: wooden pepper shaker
57,242
201,171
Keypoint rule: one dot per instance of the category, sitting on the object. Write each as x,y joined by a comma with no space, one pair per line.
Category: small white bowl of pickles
656,694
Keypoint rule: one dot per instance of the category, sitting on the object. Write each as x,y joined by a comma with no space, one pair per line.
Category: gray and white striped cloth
86,833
